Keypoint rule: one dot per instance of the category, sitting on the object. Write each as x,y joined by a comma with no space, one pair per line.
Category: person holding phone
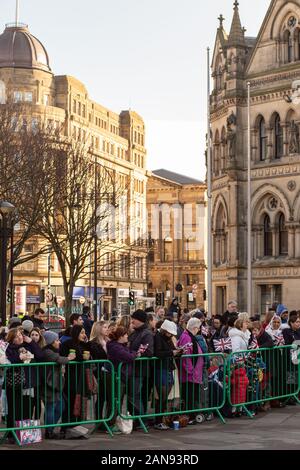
165,351
139,388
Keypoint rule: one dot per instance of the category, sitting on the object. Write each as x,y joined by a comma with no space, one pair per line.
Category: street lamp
6,210
170,240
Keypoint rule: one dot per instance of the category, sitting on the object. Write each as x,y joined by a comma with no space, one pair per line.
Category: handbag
80,407
28,436
91,382
15,377
124,425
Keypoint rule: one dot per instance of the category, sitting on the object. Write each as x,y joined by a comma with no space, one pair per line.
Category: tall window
288,45
262,140
268,245
283,237
278,138
297,52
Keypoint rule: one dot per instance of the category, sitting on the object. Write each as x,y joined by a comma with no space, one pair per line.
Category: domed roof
18,48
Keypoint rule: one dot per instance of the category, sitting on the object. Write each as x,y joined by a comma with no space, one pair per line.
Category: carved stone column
297,242
291,241
274,241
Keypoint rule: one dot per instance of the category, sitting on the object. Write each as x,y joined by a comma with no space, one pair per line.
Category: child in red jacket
239,385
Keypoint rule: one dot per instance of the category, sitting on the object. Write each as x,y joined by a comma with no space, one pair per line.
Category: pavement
272,430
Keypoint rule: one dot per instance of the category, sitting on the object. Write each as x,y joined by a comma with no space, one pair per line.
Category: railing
261,376
46,395
154,388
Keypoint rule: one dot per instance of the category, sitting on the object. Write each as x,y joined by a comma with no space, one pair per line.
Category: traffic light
160,299
8,296
131,298
204,294
42,296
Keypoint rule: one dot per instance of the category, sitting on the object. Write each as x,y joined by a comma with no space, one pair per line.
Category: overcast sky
147,55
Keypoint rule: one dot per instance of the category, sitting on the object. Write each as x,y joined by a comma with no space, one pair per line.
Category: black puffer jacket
163,349
142,336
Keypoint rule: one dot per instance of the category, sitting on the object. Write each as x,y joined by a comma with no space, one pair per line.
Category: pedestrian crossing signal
131,298
8,296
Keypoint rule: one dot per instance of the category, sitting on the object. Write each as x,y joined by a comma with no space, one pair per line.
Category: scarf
195,343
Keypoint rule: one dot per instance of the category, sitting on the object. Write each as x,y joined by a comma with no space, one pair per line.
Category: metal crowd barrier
47,395
158,389
260,376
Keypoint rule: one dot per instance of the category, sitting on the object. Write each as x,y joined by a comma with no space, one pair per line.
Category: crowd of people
176,346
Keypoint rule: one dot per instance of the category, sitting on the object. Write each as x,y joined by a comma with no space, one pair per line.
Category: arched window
278,138
297,43
221,239
268,245
262,140
217,153
283,237
288,45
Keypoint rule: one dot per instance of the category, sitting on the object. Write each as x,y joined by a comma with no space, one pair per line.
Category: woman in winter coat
165,350
118,353
76,389
277,367
53,381
98,347
20,381
191,369
239,335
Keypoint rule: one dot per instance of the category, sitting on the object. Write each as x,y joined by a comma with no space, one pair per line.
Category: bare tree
19,150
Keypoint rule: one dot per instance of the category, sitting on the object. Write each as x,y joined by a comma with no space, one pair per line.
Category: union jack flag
279,340
253,344
3,345
205,330
223,344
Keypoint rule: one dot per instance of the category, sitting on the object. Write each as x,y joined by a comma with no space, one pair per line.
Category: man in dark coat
230,312
174,309
37,319
141,337
87,321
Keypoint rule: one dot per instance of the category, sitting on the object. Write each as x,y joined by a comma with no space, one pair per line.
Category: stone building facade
176,221
118,142
271,63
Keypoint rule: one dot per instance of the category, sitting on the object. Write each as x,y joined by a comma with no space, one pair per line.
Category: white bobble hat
170,327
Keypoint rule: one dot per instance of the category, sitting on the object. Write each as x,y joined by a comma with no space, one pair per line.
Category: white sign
191,297
168,294
123,292
20,299
82,300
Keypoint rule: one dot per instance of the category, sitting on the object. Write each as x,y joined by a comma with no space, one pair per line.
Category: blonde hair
244,316
96,333
240,321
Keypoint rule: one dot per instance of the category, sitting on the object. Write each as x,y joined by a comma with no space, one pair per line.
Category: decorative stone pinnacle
221,19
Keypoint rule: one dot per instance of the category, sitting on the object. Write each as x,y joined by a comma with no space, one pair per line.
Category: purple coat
189,369
119,353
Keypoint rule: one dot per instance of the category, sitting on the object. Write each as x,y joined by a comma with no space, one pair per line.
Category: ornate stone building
118,141
271,63
176,221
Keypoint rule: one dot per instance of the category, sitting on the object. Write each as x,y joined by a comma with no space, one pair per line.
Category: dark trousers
104,396
161,404
192,395
17,406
